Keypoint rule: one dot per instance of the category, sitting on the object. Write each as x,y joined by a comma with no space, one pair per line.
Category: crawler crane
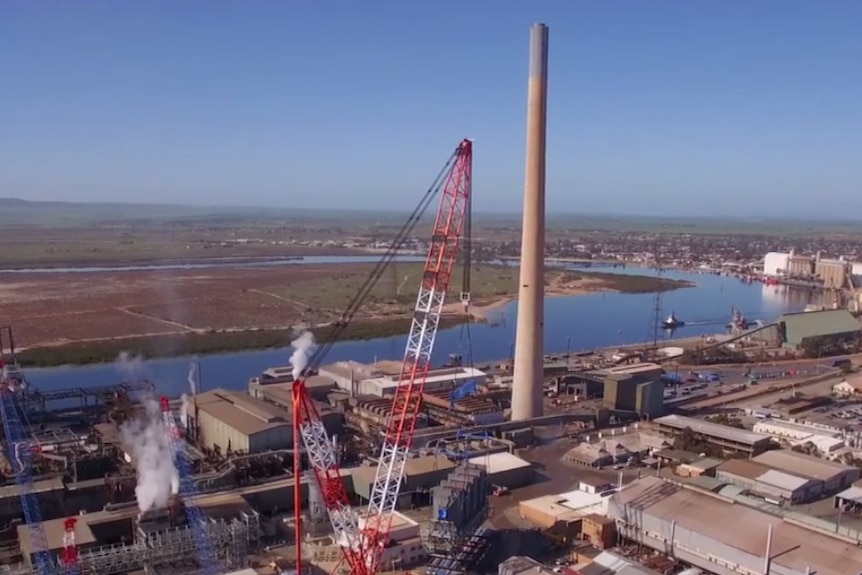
363,548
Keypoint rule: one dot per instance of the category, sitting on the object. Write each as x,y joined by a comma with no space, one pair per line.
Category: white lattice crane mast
443,254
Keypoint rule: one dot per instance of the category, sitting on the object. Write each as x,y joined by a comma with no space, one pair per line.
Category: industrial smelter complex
363,469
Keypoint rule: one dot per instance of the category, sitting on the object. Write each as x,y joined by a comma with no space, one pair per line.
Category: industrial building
647,370
605,563
763,481
421,474
382,378
611,448
229,421
505,469
118,540
825,438
563,512
459,506
829,273
634,393
724,436
835,476
281,378
725,538
405,548
831,325
785,476
848,387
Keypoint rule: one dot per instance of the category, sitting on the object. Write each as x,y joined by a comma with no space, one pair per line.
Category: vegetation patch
214,342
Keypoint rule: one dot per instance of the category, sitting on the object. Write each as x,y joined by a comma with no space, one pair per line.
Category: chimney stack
529,338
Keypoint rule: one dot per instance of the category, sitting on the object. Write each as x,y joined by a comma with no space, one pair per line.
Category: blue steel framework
206,554
20,449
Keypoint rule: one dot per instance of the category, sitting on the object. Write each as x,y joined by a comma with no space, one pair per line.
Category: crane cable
380,267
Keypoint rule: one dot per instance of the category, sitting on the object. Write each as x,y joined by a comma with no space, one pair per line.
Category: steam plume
303,346
129,366
191,378
184,412
146,440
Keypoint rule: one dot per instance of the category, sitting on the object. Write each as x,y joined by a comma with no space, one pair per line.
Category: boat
737,320
672,322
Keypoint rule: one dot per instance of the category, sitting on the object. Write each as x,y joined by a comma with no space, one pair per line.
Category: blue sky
656,107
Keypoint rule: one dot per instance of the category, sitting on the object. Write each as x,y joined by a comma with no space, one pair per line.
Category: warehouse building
382,378
825,438
798,330
230,421
563,512
725,538
775,486
835,476
605,449
635,393
420,475
505,469
724,436
279,380
237,422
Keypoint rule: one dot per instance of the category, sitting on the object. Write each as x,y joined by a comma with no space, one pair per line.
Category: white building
446,378
824,438
848,387
775,263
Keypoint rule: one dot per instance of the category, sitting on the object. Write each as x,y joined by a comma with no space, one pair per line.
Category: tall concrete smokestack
529,340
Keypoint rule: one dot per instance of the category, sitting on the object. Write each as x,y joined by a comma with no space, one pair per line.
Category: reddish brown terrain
47,309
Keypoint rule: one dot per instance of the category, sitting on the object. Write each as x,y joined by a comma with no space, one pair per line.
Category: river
583,322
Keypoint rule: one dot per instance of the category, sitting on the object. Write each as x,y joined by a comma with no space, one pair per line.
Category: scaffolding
233,541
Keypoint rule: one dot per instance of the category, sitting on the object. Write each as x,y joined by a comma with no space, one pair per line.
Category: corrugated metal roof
817,323
712,429
851,494
743,468
737,526
243,413
801,464
782,480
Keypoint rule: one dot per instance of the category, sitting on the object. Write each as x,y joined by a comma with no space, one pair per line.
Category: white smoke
146,440
303,346
130,366
184,411
184,398
191,379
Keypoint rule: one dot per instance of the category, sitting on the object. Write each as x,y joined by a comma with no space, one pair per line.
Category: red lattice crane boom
443,254
362,549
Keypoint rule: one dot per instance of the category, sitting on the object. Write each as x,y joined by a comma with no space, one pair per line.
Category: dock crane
206,553
20,449
363,548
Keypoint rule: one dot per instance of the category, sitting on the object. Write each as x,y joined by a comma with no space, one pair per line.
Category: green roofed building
818,329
